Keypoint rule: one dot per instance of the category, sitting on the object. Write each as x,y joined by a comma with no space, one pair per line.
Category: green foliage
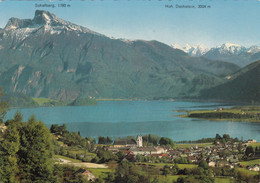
17,121
105,155
35,153
197,175
26,152
151,139
70,138
166,170
249,151
166,141
250,163
129,173
245,113
19,100
181,160
48,102
104,140
66,173
120,155
8,155
203,164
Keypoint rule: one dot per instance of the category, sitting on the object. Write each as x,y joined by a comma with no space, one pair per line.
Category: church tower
139,141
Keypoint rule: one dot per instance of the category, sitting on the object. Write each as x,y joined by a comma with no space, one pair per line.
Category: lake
130,118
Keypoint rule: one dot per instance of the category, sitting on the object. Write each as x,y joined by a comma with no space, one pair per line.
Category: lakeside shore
239,114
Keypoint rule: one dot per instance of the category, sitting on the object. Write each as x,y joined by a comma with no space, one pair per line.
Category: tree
249,151
257,151
101,140
120,155
35,153
203,164
106,156
54,128
166,170
226,137
128,172
239,147
8,155
218,137
17,121
109,140
166,141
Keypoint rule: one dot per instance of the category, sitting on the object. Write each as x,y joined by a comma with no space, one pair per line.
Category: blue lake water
130,118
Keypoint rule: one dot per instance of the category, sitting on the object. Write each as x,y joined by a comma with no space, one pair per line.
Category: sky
232,21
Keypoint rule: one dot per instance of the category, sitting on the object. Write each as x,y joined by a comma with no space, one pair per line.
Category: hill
52,58
242,86
19,100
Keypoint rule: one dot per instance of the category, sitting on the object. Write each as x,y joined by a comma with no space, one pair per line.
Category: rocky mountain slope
241,86
50,57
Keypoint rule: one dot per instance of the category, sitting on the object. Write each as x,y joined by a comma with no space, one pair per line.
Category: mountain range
229,52
197,50
53,58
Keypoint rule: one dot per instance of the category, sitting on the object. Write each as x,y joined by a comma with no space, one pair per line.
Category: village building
121,143
212,164
250,141
143,150
89,176
160,155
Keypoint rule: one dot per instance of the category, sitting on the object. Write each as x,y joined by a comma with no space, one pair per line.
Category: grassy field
100,172
67,158
247,172
244,113
223,180
249,163
168,178
181,166
187,166
192,145
47,102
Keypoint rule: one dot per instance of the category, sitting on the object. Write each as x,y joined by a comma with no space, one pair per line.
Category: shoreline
234,114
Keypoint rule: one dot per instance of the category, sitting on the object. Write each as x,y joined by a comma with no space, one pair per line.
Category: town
145,158
225,157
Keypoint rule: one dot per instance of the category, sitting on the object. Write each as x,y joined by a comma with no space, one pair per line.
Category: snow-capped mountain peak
199,50
228,45
196,50
253,49
188,47
177,46
230,48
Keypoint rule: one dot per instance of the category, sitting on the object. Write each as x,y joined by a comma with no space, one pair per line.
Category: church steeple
139,141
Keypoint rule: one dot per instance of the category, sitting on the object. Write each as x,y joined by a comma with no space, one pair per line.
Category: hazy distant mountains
243,86
228,52
49,57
